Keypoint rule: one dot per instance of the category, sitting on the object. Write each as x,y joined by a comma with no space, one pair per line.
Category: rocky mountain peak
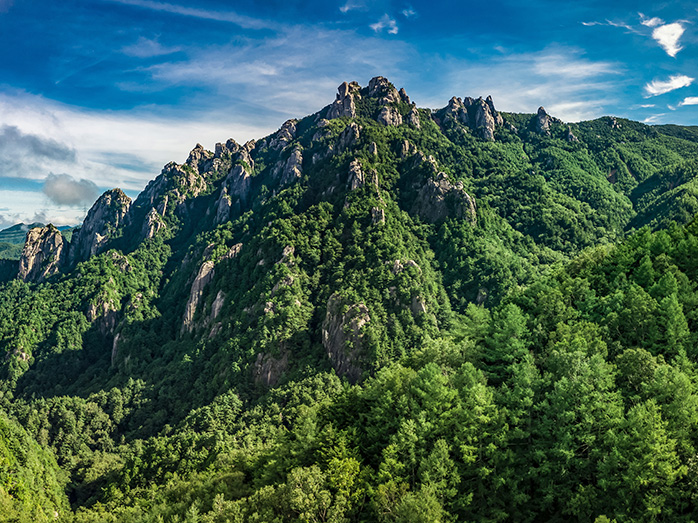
344,105
43,254
542,121
106,215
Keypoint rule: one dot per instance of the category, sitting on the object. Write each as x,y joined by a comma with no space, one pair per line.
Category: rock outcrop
570,135
203,277
440,198
379,87
284,135
269,369
344,105
412,118
389,115
348,137
484,119
43,254
152,224
542,122
342,336
455,110
291,169
356,176
109,212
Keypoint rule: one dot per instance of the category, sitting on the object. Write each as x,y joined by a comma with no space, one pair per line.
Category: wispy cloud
351,5
612,23
147,48
5,5
657,87
690,100
246,22
63,189
521,82
650,22
409,12
655,118
385,23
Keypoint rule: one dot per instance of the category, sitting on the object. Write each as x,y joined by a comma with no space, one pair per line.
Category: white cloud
657,87
667,36
690,100
409,12
650,22
385,23
63,189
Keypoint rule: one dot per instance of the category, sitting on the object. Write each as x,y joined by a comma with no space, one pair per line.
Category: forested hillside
377,313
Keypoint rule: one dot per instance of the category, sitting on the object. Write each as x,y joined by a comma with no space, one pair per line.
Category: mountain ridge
395,313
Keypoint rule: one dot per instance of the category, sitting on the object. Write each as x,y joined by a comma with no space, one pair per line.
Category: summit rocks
109,212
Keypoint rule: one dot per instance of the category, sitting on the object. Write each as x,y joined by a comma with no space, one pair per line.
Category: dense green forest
378,313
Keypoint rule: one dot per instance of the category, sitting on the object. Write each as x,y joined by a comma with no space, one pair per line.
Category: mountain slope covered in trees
377,313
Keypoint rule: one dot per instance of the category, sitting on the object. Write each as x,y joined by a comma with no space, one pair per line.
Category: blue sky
102,93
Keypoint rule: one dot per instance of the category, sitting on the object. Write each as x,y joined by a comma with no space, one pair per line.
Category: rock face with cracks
43,254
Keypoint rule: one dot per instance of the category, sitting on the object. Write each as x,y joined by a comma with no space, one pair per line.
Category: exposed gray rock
152,224
284,135
418,306
217,305
498,120
570,135
228,148
403,95
356,177
344,105
614,123
484,119
389,115
342,336
456,110
204,276
109,212
239,182
377,215
115,349
291,169
348,137
413,118
269,369
43,254
542,122
407,149
439,198
223,206
373,149
104,312
379,87
199,159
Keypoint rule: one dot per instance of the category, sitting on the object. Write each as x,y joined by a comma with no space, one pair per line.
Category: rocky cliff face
43,254
342,336
109,212
344,105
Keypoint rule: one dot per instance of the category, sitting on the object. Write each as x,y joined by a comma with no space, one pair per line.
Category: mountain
377,313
